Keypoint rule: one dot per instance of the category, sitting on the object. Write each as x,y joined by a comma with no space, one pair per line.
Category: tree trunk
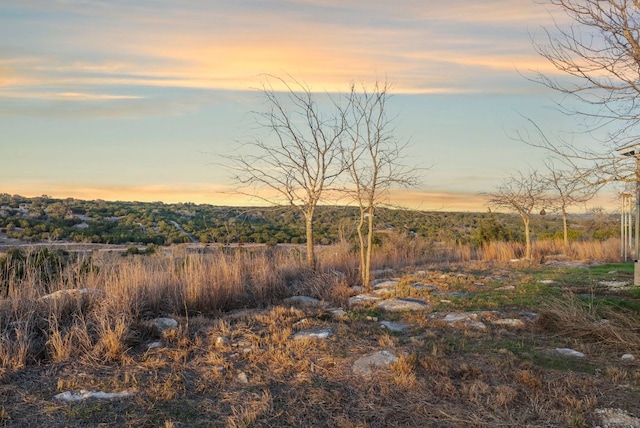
565,230
527,238
311,257
367,265
363,249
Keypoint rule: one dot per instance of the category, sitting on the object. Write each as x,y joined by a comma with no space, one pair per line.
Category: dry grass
608,250
614,329
233,361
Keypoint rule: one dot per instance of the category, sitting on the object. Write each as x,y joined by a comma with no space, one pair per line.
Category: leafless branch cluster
600,53
375,161
597,57
345,147
521,193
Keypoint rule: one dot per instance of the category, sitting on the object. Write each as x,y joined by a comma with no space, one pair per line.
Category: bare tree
566,190
599,50
375,160
300,158
598,56
521,193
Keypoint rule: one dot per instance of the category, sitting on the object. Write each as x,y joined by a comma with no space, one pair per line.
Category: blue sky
124,100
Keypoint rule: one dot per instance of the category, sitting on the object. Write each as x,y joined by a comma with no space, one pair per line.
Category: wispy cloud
71,96
420,45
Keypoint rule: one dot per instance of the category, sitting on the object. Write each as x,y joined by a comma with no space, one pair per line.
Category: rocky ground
447,346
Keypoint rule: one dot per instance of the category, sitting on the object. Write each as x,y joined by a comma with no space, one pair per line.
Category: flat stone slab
385,284
460,317
568,352
393,326
361,299
162,324
402,304
466,319
505,288
323,333
337,313
303,301
568,264
365,366
547,281
509,322
383,291
478,325
83,394
616,418
71,292
614,284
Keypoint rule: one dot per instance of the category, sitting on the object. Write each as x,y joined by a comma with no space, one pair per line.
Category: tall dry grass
114,295
573,317
103,317
608,250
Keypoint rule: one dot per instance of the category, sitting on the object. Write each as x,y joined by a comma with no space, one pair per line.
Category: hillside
45,219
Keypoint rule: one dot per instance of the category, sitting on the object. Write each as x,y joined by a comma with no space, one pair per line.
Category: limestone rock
154,345
616,418
402,304
385,284
365,366
242,378
83,394
71,292
336,313
478,325
627,357
614,284
160,325
509,322
361,299
303,301
460,317
221,341
323,333
570,352
393,326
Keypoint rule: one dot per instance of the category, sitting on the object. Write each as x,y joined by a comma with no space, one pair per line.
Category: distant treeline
48,219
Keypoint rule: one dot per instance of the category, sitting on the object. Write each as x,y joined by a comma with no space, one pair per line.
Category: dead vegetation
234,360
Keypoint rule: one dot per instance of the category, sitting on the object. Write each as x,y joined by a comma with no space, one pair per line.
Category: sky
139,100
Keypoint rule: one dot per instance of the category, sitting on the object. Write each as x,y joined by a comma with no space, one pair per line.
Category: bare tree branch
300,158
375,161
522,194
597,56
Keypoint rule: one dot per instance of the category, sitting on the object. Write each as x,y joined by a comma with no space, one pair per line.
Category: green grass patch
524,295
535,351
618,302
580,277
